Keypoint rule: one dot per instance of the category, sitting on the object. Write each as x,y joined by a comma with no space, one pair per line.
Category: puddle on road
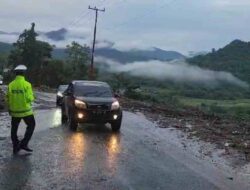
45,119
56,118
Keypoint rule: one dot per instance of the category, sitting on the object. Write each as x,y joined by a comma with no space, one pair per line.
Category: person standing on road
19,98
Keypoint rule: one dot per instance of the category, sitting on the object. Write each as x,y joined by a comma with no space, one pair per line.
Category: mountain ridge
233,58
115,54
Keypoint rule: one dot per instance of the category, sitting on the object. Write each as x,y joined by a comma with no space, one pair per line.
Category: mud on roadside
228,134
2,102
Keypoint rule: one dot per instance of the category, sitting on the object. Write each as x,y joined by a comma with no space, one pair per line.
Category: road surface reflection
85,149
75,152
114,148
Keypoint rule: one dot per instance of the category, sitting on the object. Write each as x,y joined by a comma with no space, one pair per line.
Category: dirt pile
44,89
2,101
228,134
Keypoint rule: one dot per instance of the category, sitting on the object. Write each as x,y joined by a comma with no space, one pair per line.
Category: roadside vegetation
223,101
238,109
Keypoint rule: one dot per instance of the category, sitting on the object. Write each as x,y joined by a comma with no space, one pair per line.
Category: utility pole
91,74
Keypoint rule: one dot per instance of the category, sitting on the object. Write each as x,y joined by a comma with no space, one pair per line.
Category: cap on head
20,68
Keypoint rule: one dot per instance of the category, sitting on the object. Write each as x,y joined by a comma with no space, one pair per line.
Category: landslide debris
226,133
2,101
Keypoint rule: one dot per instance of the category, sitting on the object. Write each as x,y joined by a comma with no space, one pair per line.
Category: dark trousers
30,122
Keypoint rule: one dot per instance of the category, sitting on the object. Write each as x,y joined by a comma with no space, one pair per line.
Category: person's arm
30,95
7,103
7,97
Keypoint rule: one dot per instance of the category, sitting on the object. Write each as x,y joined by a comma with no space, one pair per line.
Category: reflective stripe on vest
24,111
18,91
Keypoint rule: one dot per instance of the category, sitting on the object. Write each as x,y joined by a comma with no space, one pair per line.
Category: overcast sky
182,25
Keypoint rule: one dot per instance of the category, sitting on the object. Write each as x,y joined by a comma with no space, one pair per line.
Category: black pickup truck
90,102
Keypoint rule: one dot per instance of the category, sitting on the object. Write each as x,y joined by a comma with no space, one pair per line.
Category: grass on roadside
239,109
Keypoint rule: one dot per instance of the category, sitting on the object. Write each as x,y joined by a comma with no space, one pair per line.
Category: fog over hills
230,64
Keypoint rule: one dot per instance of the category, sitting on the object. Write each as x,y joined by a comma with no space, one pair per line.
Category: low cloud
129,45
175,70
8,38
104,44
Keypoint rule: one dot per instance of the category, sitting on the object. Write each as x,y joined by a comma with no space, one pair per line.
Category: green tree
78,58
54,73
30,52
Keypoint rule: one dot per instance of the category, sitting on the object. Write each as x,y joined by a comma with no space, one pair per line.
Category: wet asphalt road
96,158
139,157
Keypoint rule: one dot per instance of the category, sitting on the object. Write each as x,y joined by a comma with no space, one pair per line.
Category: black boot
16,148
26,148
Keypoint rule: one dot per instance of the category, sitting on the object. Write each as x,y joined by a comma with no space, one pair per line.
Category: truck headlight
80,104
115,105
59,94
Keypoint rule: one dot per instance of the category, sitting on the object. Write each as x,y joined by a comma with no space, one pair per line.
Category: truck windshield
93,91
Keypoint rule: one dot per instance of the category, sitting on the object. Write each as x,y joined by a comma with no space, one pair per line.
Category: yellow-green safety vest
19,97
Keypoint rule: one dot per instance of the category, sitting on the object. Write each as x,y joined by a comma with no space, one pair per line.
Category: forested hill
234,58
5,47
117,55
139,55
129,56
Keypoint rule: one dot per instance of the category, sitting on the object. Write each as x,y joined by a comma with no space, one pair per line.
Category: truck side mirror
117,95
68,93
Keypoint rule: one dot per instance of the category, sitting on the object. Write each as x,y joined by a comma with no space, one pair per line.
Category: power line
76,21
83,16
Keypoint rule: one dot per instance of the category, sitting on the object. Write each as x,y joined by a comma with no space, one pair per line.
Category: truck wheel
72,123
63,116
116,125
57,103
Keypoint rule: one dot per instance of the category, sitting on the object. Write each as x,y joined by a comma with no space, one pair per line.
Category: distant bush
215,109
157,98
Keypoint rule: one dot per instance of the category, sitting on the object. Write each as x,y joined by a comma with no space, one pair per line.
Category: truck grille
98,107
